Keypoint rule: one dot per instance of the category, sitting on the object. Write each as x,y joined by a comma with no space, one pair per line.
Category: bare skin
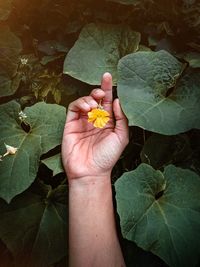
89,155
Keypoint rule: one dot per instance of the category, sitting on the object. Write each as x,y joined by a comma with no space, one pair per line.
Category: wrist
91,190
89,182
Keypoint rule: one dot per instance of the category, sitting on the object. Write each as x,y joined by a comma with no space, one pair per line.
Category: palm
91,148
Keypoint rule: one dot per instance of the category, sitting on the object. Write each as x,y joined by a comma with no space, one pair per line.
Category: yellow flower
98,116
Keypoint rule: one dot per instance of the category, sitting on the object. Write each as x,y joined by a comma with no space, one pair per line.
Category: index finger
106,86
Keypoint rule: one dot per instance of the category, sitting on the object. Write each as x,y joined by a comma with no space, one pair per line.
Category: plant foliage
107,44
40,220
166,216
51,53
156,96
19,171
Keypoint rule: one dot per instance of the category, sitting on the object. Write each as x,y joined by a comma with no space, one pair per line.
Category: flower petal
91,119
98,123
10,149
99,117
106,119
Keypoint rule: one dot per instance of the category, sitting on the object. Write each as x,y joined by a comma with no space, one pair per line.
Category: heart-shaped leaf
98,50
34,226
155,96
161,212
46,122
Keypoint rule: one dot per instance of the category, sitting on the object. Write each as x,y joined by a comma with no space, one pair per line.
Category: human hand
88,151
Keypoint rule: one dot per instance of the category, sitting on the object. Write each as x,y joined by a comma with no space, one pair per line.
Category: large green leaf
46,122
34,228
10,47
5,7
155,96
98,50
161,212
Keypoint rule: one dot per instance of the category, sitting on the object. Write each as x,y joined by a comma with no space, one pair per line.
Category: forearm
93,240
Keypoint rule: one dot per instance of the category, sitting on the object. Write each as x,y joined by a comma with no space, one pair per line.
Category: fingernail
107,75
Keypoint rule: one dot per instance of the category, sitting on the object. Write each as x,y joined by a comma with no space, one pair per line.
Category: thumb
121,127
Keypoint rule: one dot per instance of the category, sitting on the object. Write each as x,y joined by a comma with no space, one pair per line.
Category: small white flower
22,116
24,61
10,150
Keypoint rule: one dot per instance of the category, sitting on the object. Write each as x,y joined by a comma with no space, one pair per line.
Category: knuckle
77,103
71,105
90,101
94,91
97,91
82,99
86,99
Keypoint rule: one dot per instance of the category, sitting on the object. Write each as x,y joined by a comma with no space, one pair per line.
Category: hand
88,151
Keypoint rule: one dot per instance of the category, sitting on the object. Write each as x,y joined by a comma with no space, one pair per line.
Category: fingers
97,94
85,104
105,92
106,86
121,127
81,105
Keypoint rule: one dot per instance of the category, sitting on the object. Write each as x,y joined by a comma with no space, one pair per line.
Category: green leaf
161,212
54,163
34,228
155,96
98,50
18,171
5,8
10,47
